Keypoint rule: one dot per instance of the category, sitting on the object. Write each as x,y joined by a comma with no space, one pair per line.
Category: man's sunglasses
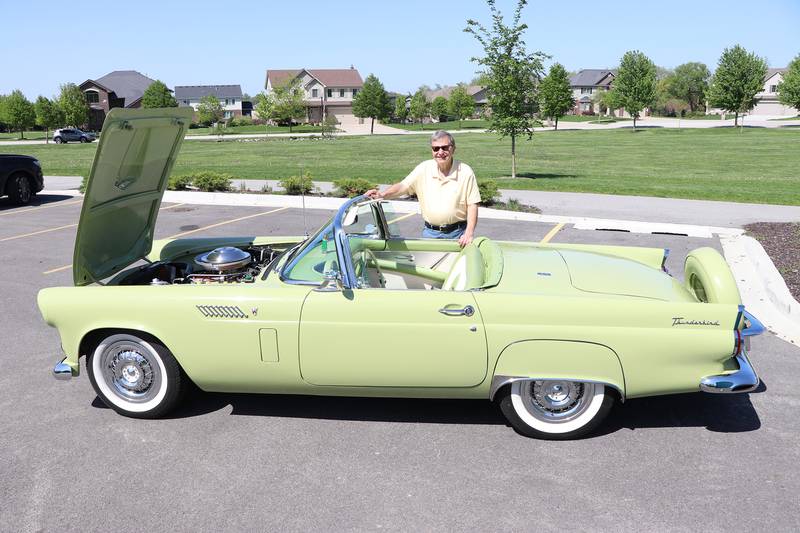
446,148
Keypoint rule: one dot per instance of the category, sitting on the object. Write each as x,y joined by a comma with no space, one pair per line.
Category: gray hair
441,133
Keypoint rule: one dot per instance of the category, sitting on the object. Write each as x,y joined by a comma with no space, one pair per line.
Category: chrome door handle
464,311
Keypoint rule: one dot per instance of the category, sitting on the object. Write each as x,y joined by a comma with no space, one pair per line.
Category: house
229,97
585,86
121,88
767,99
477,93
328,92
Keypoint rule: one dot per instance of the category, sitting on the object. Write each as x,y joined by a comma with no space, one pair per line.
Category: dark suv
73,134
20,177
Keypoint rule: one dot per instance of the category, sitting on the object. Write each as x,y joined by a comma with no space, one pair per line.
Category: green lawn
257,129
29,136
729,116
750,165
449,125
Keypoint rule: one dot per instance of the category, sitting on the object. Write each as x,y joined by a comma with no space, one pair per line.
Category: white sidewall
110,394
561,427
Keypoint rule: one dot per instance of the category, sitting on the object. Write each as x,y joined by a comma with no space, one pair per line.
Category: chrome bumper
743,380
62,371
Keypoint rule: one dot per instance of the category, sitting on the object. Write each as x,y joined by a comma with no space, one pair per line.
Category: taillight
738,342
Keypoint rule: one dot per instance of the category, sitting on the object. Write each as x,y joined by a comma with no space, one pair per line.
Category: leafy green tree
285,102
439,108
634,87
461,105
262,106
420,107
555,94
209,110
789,88
739,77
48,115
158,95
372,101
689,82
400,109
511,74
73,103
18,113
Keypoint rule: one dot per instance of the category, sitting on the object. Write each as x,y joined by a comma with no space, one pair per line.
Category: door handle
464,311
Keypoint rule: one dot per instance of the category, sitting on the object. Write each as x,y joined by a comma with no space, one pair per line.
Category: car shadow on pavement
36,201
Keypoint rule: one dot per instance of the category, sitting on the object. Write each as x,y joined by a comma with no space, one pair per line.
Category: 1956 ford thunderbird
554,333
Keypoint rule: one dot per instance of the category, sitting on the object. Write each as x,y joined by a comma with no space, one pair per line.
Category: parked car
20,177
556,334
65,135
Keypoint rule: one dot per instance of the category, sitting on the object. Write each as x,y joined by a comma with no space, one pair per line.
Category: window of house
773,88
314,92
355,91
330,93
341,93
186,102
92,97
586,90
228,114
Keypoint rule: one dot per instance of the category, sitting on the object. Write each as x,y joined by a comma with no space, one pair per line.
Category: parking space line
59,269
37,232
398,219
552,233
226,222
28,210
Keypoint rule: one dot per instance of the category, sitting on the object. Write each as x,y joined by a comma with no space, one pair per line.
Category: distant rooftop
190,92
589,77
127,84
329,77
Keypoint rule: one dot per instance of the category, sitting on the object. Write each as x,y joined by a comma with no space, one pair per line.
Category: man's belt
447,228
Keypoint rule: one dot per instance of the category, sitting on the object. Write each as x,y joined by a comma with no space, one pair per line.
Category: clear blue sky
406,43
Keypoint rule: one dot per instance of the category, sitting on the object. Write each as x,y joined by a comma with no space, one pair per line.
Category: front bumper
64,371
743,380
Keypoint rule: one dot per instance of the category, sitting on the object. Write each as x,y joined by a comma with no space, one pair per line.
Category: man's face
442,150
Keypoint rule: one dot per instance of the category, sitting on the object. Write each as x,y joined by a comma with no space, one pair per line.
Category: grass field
29,135
449,125
256,129
749,165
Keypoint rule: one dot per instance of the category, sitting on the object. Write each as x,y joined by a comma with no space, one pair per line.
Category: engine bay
226,264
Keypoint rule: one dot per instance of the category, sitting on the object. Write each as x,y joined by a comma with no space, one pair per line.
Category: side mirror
331,282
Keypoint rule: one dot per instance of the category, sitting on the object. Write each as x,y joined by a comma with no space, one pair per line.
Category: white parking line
28,210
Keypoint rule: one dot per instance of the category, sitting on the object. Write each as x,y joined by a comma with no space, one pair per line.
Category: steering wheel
368,256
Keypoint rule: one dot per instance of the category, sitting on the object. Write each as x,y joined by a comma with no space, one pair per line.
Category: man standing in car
447,191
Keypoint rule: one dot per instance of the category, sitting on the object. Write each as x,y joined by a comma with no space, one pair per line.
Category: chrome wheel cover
130,370
556,401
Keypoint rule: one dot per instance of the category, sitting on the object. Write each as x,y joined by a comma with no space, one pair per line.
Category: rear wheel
136,375
19,189
84,140
555,409
58,140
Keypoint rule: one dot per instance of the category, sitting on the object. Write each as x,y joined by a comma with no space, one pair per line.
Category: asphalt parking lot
241,462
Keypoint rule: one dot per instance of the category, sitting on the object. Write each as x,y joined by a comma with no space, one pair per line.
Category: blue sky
406,43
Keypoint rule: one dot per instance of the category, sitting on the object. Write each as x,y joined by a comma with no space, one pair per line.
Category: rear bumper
64,371
743,380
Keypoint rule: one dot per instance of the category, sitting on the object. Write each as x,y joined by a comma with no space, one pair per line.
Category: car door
392,338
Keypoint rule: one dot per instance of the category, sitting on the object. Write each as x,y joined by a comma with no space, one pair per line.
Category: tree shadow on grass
541,175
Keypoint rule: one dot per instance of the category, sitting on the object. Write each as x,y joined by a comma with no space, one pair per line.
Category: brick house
229,97
328,92
121,88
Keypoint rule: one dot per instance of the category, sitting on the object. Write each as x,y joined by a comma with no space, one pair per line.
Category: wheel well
90,341
10,180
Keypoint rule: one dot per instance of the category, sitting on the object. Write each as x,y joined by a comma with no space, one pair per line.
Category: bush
351,187
211,181
297,185
240,121
179,183
489,192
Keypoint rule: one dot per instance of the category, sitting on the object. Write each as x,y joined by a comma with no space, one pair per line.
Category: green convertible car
554,333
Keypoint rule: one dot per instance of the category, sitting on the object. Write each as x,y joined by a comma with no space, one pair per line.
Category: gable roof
187,92
329,77
472,90
127,84
589,77
772,71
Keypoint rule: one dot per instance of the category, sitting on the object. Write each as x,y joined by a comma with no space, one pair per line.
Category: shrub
489,192
351,187
179,183
212,181
296,185
240,121
82,187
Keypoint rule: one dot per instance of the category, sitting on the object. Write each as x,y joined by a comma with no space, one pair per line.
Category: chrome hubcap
556,401
130,370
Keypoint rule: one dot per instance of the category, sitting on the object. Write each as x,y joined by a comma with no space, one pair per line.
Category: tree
555,93
789,88
689,82
461,105
157,95
420,107
739,77
635,83
372,101
400,109
439,108
18,113
209,110
511,75
73,103
48,115
283,103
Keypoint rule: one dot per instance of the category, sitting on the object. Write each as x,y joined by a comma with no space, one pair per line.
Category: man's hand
374,194
465,239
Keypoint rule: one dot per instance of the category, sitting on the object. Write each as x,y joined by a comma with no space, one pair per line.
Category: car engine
227,264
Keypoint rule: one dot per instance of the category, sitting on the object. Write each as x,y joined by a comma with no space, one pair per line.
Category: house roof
187,92
329,77
472,90
589,77
772,71
127,84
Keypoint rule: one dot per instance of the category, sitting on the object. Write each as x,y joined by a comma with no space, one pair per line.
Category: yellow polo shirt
443,200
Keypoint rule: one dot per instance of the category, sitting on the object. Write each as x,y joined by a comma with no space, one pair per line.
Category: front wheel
136,376
19,189
84,140
58,140
555,409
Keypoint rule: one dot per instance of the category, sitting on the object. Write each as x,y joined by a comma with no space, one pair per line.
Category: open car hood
131,168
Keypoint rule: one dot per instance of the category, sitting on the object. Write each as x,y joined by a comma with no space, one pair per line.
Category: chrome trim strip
63,372
755,326
664,260
743,380
499,381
